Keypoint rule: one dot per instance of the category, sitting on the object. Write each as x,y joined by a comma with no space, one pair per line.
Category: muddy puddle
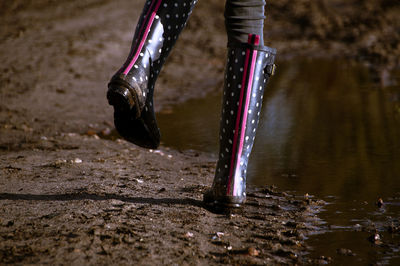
326,131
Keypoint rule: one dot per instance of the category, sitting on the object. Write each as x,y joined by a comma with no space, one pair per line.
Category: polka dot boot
130,90
249,66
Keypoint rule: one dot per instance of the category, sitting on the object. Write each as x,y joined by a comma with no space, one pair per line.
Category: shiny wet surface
326,130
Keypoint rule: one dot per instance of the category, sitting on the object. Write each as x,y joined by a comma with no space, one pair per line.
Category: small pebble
380,202
71,134
252,251
60,161
189,234
106,132
77,160
117,203
376,239
91,132
345,251
159,152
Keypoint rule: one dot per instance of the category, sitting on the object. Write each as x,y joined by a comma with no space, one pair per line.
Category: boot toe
136,131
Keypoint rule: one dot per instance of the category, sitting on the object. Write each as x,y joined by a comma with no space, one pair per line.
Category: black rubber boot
131,89
248,69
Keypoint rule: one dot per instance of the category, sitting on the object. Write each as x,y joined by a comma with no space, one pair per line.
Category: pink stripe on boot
147,30
243,127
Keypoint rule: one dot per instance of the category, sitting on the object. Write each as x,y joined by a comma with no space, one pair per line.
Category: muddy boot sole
222,204
122,99
129,120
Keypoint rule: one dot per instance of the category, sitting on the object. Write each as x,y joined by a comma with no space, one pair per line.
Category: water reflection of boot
248,69
130,90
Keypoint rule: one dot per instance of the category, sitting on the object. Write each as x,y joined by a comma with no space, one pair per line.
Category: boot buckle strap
271,69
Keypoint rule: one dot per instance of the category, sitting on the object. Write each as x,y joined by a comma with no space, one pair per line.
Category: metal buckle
271,69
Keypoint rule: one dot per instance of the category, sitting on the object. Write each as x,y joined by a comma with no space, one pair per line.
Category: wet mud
128,206
73,193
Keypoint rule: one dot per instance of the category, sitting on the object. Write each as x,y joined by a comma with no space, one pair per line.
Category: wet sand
71,194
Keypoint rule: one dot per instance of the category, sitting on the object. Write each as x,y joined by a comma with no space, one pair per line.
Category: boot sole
122,99
223,207
128,118
222,203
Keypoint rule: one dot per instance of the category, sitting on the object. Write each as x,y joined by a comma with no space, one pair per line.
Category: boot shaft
131,88
248,69
158,29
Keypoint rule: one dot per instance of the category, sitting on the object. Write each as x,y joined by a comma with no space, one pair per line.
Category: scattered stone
376,239
324,260
128,239
72,135
380,202
77,160
91,132
345,252
189,235
220,234
357,226
252,251
106,132
117,203
213,238
157,151
58,163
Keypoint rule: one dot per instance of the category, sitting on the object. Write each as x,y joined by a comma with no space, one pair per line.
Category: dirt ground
70,193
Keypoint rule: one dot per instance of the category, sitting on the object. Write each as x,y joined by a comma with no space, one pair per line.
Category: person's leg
130,90
248,68
244,17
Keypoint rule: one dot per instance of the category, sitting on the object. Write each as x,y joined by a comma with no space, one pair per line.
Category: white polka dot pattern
131,89
158,28
244,83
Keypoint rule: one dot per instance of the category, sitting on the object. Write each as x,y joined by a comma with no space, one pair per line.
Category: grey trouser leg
244,17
